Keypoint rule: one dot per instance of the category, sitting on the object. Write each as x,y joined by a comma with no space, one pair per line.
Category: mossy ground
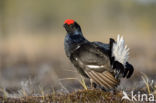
80,96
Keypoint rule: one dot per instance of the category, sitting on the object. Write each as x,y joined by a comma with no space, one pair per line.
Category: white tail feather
120,50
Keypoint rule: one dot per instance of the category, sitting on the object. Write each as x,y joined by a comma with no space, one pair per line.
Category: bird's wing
106,48
95,64
91,57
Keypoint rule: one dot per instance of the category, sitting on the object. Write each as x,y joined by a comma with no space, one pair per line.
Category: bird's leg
93,85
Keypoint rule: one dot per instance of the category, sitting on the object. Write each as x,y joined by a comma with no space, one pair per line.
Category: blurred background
32,36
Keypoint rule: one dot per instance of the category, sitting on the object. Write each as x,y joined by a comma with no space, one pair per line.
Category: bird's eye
72,26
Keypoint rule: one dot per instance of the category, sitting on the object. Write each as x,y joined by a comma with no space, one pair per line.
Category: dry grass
80,96
85,95
93,96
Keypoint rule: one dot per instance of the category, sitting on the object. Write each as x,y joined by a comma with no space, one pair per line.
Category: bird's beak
64,25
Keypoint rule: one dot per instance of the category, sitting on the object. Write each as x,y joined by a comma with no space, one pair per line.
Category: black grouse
103,64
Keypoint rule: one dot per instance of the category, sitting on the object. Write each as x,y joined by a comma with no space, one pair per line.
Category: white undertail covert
120,50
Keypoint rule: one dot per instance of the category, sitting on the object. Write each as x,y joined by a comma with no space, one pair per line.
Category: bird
104,64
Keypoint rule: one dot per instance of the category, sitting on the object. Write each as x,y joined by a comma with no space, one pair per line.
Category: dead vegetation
80,96
85,95
94,96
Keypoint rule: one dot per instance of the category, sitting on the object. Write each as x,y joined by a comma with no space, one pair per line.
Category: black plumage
94,60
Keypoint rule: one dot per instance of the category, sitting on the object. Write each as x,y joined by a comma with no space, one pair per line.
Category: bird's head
72,27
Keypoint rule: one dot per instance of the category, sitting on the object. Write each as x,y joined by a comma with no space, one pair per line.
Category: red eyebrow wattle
69,21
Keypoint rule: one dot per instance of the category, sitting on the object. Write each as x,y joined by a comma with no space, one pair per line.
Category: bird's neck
76,36
72,42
